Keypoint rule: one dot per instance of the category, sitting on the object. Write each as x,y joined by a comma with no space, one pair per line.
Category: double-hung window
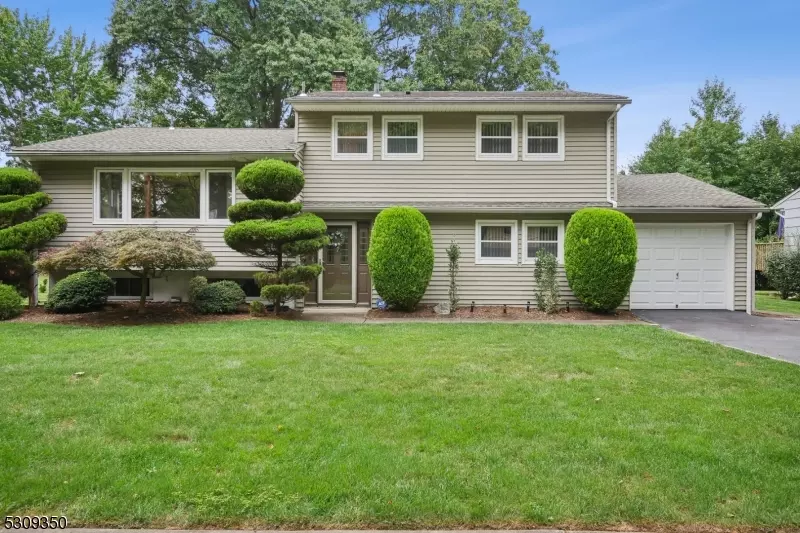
496,138
496,242
547,235
402,137
151,196
543,138
351,137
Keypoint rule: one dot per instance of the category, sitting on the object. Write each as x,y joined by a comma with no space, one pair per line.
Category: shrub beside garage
600,252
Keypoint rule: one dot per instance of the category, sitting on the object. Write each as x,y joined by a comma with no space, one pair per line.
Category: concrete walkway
774,337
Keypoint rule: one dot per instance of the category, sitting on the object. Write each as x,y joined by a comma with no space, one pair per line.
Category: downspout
751,243
609,197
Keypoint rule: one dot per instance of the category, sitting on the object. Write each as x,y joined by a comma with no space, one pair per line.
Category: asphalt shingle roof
465,96
676,191
166,140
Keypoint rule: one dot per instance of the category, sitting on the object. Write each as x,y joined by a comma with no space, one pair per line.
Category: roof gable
792,195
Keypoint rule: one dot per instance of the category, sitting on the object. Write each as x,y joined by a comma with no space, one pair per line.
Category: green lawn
264,423
771,302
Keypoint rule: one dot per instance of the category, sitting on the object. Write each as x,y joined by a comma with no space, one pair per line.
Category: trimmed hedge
215,298
22,209
400,256
10,302
19,181
33,233
266,209
80,292
9,198
270,179
600,249
299,273
280,293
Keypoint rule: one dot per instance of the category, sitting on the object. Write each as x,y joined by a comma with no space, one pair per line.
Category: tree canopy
763,165
50,87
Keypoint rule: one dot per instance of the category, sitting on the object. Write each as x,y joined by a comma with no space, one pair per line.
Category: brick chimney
339,81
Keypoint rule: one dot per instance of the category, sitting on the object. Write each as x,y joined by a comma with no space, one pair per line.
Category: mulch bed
498,313
124,314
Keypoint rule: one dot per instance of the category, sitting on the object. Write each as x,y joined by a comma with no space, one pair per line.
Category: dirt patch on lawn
500,313
125,314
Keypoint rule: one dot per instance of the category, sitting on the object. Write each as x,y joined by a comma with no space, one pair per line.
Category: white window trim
479,156
496,260
527,156
385,137
128,220
527,223
335,155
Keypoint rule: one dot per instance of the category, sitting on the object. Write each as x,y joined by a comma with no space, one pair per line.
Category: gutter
751,243
609,198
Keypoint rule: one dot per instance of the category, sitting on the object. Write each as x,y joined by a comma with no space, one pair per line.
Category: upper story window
351,137
544,138
402,137
496,242
148,196
496,138
547,235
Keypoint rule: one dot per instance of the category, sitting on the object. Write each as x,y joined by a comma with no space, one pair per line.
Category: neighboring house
789,211
500,173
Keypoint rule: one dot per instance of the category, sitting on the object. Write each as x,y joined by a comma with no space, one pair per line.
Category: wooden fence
763,250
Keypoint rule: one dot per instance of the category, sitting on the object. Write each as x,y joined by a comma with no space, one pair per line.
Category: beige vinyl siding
513,284
70,185
449,171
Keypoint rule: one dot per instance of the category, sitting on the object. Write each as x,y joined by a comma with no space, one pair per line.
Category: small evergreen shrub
600,249
257,308
545,275
80,292
196,284
783,271
400,256
218,298
10,302
453,257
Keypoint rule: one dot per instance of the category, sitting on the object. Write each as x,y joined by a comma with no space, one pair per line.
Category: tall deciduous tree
50,87
234,62
664,153
483,45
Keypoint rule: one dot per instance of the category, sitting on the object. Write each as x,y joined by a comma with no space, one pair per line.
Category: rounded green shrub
400,256
18,181
270,179
80,292
600,257
783,271
10,302
219,297
196,284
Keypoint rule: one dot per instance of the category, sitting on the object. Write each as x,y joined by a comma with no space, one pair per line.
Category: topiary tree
400,256
21,231
270,226
143,252
600,257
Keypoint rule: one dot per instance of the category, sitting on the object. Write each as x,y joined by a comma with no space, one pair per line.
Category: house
500,173
789,211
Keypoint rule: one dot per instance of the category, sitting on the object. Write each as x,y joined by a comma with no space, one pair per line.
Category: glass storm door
339,262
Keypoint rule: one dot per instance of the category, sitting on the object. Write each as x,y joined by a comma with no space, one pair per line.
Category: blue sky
658,52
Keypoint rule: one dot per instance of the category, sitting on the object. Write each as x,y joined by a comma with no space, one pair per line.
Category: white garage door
683,266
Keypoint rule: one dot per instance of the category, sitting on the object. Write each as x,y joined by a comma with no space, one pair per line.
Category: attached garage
684,266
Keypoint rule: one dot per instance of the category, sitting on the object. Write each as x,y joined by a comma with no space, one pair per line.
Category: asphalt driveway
773,337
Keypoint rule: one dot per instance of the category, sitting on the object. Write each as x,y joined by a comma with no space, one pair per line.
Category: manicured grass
771,301
308,424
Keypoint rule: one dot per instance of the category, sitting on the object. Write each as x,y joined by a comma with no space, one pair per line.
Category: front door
337,282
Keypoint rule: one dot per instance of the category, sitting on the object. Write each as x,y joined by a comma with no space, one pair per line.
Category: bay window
149,196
